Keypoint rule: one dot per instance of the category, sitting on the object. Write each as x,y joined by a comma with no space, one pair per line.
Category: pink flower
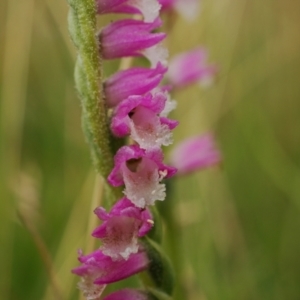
121,228
128,294
148,8
195,153
98,269
191,67
139,116
134,81
141,171
129,37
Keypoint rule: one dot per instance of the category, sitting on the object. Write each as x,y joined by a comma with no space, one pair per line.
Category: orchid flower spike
148,8
190,67
121,228
137,106
195,153
142,172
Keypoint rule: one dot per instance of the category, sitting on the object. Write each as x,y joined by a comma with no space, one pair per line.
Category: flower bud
128,38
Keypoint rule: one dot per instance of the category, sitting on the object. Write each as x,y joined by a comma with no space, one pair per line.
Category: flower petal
148,8
129,38
134,81
121,228
141,171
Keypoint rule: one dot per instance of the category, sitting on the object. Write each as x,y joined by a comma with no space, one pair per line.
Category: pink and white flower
129,38
191,67
121,228
142,172
134,81
140,117
98,270
148,8
195,153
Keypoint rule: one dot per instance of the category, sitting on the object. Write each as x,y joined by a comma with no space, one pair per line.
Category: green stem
82,26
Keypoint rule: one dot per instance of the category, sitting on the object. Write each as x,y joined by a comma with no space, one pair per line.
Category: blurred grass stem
16,51
72,240
44,254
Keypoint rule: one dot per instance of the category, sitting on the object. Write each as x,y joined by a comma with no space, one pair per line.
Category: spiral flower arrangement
126,123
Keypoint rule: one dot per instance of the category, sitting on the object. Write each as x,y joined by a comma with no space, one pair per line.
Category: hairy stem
82,26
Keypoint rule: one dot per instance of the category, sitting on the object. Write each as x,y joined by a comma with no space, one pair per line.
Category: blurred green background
238,224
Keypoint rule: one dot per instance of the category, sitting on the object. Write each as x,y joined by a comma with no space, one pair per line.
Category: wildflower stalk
139,112
82,27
